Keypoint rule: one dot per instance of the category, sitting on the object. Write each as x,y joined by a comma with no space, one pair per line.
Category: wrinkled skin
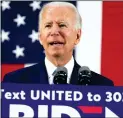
58,34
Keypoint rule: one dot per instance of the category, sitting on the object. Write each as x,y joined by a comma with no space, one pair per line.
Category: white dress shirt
51,68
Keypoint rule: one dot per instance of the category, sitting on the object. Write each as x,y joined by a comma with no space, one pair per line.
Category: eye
62,25
47,26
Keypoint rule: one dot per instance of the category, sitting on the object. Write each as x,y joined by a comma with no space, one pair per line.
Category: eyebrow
50,22
63,22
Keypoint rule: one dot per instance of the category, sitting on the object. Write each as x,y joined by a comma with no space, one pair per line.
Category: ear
78,36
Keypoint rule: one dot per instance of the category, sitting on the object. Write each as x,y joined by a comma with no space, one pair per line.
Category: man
59,32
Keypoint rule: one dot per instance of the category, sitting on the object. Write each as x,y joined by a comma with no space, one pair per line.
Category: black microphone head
84,76
60,75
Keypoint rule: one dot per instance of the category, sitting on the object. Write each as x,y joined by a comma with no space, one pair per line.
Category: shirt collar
51,68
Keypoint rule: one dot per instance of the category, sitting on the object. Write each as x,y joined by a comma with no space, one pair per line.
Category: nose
55,30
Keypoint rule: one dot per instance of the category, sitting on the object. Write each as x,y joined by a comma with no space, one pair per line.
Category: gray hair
78,17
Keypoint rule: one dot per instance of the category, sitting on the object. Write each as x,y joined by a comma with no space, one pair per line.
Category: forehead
58,13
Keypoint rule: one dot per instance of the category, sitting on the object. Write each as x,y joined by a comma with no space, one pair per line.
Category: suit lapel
43,76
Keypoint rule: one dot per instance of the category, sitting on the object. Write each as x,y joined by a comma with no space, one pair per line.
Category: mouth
56,43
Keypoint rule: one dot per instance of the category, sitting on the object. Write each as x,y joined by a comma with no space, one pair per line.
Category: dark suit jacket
37,74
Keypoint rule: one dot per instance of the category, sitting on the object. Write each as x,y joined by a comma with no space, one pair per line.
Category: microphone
60,75
84,76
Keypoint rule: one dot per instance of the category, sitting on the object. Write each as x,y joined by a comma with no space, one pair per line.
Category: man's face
57,32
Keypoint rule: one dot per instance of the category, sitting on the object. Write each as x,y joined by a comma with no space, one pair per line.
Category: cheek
44,33
71,37
43,40
70,32
43,36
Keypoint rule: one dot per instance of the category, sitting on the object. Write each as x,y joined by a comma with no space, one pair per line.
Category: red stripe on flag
6,68
112,42
91,109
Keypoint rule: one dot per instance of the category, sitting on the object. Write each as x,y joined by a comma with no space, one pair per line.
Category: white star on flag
34,36
5,36
18,51
20,20
35,5
5,5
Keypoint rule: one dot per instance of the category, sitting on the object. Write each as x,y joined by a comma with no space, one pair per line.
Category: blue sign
32,100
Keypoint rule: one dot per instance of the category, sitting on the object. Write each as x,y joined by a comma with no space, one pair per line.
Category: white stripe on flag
88,51
29,64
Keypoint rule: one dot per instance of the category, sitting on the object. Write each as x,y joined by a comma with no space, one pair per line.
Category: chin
57,55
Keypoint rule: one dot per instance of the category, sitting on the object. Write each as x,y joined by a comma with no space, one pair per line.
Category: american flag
101,46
